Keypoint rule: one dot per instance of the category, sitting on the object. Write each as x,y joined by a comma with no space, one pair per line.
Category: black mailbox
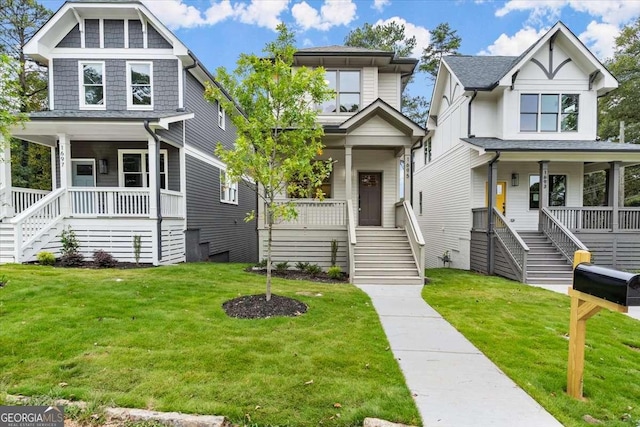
613,285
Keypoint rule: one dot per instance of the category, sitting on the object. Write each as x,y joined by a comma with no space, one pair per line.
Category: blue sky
217,31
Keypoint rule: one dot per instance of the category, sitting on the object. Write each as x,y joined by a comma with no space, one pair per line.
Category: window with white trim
221,116
346,84
427,151
139,85
549,112
133,168
228,189
92,87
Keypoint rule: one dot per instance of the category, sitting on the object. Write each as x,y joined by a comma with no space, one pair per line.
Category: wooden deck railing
512,242
479,218
560,235
598,218
119,202
23,198
316,213
405,218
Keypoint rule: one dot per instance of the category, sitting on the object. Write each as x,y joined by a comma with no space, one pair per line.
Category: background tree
279,136
444,41
19,20
10,95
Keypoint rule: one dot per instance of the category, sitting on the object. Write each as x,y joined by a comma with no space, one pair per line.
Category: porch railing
117,201
479,218
512,242
351,239
23,198
171,204
560,235
315,213
405,218
597,218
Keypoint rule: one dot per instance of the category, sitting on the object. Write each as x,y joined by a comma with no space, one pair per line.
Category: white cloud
379,5
219,11
516,44
261,13
600,38
307,43
614,12
175,14
422,35
332,13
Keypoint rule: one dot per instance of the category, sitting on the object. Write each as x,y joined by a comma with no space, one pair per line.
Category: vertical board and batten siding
72,39
383,161
369,86
478,251
173,242
388,84
517,198
91,33
67,91
618,250
446,216
114,34
220,225
305,245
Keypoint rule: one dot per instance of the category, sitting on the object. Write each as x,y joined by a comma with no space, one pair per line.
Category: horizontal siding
173,242
478,252
388,84
377,126
313,246
369,85
618,250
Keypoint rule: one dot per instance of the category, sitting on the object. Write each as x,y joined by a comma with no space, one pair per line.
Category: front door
501,196
83,173
370,198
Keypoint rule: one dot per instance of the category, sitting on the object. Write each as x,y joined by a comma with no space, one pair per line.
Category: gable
377,126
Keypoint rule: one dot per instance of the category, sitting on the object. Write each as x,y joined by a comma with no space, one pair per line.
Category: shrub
314,269
137,248
334,252
102,259
72,259
282,267
262,263
302,266
335,272
46,258
69,241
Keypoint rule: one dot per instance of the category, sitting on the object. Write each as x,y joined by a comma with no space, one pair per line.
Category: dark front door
370,198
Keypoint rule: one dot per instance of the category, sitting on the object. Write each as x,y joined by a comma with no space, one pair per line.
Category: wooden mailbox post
583,306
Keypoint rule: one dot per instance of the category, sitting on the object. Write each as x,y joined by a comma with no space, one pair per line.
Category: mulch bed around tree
257,307
300,275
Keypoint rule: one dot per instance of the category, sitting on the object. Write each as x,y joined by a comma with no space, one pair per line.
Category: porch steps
383,257
6,243
545,264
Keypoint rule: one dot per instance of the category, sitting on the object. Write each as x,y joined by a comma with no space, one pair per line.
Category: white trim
81,97
126,33
111,53
80,27
222,116
130,104
54,170
227,189
93,161
51,85
180,85
143,166
203,157
101,32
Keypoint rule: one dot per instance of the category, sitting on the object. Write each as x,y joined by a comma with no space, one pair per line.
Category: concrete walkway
452,382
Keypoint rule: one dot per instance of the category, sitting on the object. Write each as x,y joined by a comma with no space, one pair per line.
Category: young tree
278,136
444,41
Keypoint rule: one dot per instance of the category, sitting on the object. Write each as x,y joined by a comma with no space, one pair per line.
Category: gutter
490,221
157,189
413,148
475,93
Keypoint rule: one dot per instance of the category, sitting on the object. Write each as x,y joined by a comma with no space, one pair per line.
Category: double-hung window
228,189
134,168
92,91
549,112
557,191
346,84
140,85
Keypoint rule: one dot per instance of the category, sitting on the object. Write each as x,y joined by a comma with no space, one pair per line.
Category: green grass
159,339
524,330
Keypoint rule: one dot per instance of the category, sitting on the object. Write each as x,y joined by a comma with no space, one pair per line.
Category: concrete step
387,280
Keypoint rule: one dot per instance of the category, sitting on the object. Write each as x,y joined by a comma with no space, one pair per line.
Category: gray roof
495,144
480,72
104,115
344,50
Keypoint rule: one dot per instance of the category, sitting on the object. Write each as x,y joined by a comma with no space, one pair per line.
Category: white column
6,204
153,179
614,193
64,145
54,170
543,187
407,173
347,173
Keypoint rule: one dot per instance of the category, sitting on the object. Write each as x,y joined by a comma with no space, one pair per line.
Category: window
427,151
346,84
221,116
139,85
548,113
134,168
92,93
557,191
228,189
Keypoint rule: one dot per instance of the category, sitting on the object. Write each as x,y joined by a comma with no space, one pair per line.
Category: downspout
157,189
475,93
490,221
413,148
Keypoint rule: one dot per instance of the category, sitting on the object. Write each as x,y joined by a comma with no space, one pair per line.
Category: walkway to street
452,382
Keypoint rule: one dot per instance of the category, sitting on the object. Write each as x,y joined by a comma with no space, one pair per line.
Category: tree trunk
269,240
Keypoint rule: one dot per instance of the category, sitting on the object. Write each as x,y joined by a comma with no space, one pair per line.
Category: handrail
416,240
352,240
517,249
563,239
36,205
23,198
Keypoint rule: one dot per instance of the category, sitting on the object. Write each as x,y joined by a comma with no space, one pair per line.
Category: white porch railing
23,198
315,213
405,218
171,204
512,242
560,235
118,201
597,218
351,240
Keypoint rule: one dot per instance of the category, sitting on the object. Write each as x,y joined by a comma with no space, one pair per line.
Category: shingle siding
135,35
203,132
113,33
65,83
221,225
91,33
72,39
165,84
155,40
116,81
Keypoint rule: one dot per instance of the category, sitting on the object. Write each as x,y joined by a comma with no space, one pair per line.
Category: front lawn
159,339
524,330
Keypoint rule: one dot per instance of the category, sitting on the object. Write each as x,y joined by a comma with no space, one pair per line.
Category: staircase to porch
545,264
383,256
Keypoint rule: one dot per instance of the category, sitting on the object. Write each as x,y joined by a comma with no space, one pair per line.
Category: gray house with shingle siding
132,142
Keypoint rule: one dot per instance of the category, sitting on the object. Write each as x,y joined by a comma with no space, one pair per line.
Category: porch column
154,196
407,173
64,146
492,183
54,170
543,193
614,193
347,173
6,205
